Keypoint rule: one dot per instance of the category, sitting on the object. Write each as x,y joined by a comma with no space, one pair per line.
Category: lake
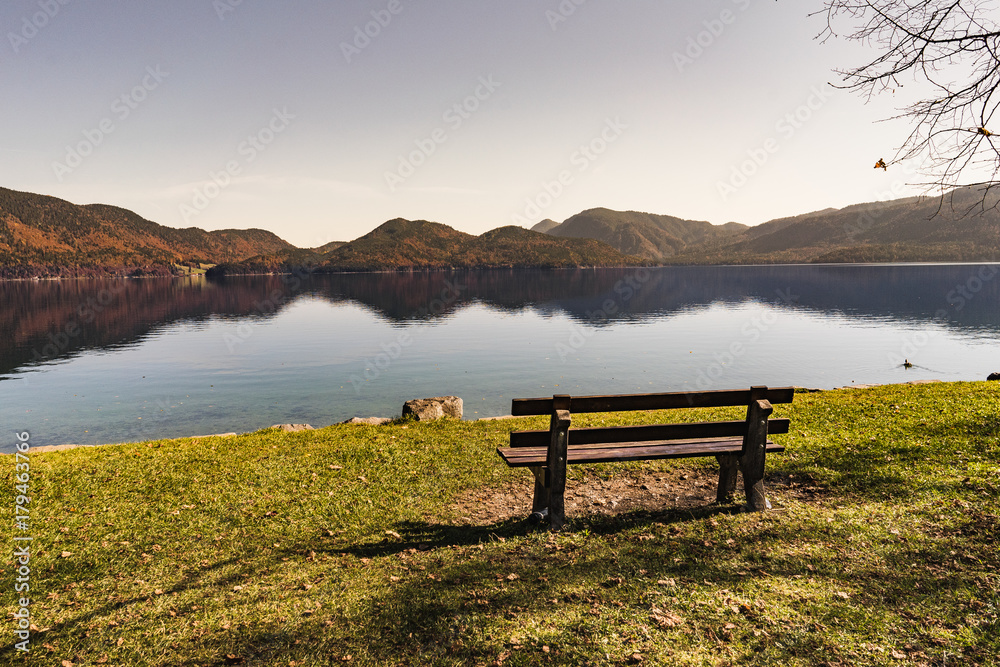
92,361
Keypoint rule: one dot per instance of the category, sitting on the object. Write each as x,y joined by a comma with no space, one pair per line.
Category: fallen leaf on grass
665,619
66,554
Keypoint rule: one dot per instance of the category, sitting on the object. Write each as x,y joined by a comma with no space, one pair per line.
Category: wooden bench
740,444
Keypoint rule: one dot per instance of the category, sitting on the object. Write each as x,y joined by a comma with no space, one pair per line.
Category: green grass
339,546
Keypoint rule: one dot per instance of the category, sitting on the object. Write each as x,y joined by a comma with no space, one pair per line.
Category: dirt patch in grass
622,493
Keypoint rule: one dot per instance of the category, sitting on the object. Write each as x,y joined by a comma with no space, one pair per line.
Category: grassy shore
352,545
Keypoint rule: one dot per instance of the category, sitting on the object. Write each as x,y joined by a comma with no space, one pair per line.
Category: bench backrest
634,402
524,407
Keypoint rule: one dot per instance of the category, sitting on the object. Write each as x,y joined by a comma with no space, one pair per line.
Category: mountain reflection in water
51,320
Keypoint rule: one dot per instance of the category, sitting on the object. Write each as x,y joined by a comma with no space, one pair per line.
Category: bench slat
520,457
523,407
616,434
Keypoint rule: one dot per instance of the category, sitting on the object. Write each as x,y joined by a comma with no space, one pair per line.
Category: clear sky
319,120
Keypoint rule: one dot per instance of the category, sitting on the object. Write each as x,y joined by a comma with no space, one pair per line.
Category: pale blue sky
666,121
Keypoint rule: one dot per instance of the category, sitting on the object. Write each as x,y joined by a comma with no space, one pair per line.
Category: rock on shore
427,409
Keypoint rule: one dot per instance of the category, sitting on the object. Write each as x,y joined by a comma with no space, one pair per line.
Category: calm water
110,361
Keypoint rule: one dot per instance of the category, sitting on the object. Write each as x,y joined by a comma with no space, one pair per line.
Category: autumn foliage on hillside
45,236
407,245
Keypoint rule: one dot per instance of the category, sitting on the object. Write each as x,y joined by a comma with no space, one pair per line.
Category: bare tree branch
951,50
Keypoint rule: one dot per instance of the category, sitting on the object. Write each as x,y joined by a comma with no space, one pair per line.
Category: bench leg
752,459
753,482
558,443
728,467
540,501
557,491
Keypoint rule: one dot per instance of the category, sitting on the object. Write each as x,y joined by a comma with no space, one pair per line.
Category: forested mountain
958,227
545,225
655,237
42,235
327,247
400,245
45,236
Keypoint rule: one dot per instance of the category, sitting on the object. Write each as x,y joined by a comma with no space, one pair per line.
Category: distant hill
514,246
285,261
45,236
401,245
913,229
329,247
42,235
405,244
655,237
545,226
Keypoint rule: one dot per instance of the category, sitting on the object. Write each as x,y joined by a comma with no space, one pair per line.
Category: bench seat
526,457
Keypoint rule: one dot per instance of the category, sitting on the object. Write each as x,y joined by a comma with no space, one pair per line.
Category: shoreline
378,421
309,271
